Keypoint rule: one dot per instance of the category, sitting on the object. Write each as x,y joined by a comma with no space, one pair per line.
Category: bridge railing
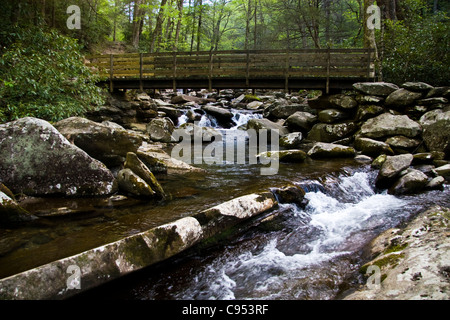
242,64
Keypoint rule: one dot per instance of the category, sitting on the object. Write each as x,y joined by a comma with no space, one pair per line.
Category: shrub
42,74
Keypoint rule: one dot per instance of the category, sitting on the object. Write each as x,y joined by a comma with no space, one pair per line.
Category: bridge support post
327,87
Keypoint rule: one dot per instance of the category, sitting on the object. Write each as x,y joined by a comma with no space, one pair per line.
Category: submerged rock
38,160
107,144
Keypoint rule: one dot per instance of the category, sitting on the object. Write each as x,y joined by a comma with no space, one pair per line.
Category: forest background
41,60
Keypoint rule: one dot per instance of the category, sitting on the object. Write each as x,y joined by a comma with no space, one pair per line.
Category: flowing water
305,253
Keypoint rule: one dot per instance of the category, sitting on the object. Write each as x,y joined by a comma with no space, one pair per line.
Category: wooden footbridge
325,69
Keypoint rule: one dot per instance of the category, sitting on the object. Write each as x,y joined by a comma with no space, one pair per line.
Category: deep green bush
42,74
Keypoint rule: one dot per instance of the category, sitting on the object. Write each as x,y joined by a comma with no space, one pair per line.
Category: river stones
417,86
284,155
266,124
223,116
280,109
301,121
375,88
343,101
412,182
141,170
331,115
436,133
402,98
131,183
391,168
11,212
331,150
161,129
323,132
102,142
290,194
387,124
36,160
291,140
372,147
366,112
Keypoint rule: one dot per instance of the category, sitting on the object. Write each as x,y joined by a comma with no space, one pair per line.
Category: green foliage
418,49
42,74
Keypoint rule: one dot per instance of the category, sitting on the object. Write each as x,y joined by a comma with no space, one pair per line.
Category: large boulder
372,147
291,140
387,124
37,160
376,88
366,112
323,132
301,121
223,116
417,86
402,98
391,169
282,110
161,129
331,150
402,143
107,144
436,133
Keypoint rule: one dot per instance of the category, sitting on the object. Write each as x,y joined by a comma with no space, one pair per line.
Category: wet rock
161,129
290,194
184,98
284,155
158,161
11,212
437,92
372,147
363,158
390,125
402,142
421,158
38,160
391,169
432,101
291,140
378,162
223,116
322,132
417,86
255,105
107,144
343,101
366,112
139,168
363,99
330,150
205,134
282,110
170,112
265,124
331,115
402,98
301,121
436,134
131,183
412,182
436,183
412,261
443,170
382,89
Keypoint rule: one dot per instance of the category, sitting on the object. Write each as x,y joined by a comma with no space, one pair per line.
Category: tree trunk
177,31
158,28
199,27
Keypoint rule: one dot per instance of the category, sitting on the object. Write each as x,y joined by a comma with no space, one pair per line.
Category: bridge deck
262,69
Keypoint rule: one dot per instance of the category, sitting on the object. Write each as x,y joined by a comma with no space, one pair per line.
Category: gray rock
38,160
218,112
390,125
437,92
282,110
402,98
417,86
131,183
254,105
284,155
391,168
11,212
366,112
432,101
107,144
139,168
412,182
376,88
423,157
363,99
161,129
261,124
402,142
291,140
332,115
290,194
170,112
343,101
331,150
436,183
301,121
322,132
443,170
436,134
205,134
372,147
